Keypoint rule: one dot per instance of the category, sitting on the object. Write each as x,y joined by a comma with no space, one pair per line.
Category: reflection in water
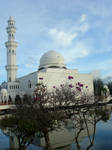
76,133
4,141
88,124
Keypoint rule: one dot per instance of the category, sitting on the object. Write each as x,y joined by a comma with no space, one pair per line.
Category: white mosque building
52,71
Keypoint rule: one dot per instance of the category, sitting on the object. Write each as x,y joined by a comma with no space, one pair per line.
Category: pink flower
78,88
40,78
81,85
70,77
70,85
78,83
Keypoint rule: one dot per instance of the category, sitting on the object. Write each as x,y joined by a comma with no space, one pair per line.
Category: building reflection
81,125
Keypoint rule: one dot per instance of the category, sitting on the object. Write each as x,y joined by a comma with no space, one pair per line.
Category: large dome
52,59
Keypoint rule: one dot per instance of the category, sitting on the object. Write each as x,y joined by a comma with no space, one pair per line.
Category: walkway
4,107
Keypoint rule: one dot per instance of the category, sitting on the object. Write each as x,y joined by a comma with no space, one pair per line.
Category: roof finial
11,18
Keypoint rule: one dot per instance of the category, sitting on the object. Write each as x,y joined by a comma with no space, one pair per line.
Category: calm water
100,135
103,137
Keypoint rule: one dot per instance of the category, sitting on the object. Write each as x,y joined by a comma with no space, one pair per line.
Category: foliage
17,99
68,95
46,119
103,113
20,124
98,87
109,84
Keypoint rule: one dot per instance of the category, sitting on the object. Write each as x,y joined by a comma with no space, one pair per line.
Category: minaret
11,46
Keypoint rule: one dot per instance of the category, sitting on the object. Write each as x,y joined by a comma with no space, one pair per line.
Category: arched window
9,79
11,23
29,84
12,51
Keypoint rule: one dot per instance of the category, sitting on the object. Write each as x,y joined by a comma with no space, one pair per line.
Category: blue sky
81,30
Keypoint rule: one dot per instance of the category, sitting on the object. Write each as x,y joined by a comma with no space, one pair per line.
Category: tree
10,100
46,119
109,84
21,126
84,123
44,112
52,108
98,87
26,99
18,100
33,116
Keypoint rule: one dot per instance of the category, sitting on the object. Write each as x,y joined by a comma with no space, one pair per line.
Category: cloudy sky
81,30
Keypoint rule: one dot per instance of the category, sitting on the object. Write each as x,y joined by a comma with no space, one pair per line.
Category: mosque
52,71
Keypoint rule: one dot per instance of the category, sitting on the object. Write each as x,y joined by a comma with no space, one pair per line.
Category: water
103,137
95,130
4,141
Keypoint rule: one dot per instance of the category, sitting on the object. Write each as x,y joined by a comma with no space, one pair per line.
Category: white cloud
78,51
83,17
30,66
66,35
84,27
61,37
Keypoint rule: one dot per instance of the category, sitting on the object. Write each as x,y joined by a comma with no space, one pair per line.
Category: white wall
13,89
56,77
25,82
50,77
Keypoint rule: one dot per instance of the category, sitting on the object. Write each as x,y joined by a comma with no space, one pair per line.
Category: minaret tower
11,46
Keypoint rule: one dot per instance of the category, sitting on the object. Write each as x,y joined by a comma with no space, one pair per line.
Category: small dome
105,86
3,91
52,59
